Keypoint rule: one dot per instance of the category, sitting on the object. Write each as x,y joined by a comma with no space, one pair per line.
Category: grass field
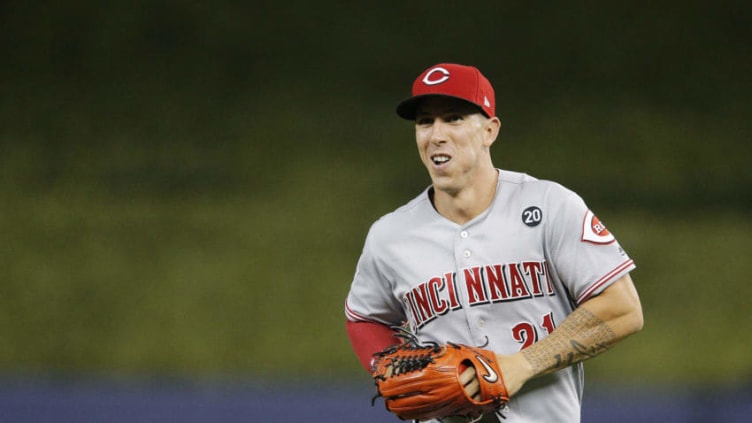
239,285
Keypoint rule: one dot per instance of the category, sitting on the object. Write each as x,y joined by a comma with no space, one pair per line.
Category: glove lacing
414,355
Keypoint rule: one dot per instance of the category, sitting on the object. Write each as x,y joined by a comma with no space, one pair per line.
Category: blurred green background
186,186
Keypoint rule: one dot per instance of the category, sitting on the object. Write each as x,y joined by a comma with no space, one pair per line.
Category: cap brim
407,108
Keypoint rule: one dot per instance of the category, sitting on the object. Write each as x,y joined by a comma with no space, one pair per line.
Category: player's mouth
440,159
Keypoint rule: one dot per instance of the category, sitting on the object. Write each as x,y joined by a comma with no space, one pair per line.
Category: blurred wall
186,186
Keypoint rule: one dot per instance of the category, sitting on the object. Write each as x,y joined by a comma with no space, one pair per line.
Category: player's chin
438,170
444,183
436,175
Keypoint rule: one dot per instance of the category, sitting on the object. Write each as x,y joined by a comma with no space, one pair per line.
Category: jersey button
464,234
467,254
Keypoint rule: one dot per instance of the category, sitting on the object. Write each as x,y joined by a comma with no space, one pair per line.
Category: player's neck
466,204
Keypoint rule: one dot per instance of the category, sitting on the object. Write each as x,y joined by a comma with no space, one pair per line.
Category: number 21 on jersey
526,333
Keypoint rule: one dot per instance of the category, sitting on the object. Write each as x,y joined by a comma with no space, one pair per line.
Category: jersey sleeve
370,298
584,254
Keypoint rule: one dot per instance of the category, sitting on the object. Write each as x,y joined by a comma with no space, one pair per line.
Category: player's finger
470,382
472,389
467,375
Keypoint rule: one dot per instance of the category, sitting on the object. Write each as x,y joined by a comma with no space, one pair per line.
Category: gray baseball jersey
503,280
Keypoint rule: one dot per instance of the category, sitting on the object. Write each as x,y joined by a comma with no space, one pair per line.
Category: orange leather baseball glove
427,381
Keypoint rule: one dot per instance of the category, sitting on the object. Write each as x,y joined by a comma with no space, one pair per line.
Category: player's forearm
580,337
596,326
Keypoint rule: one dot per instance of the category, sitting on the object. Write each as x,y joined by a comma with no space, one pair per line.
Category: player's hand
516,370
470,382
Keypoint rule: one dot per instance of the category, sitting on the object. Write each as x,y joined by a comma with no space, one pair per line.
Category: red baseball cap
451,80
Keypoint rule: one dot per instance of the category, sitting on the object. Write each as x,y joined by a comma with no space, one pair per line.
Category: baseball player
492,258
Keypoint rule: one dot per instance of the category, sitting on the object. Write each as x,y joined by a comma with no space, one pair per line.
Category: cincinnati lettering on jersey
478,285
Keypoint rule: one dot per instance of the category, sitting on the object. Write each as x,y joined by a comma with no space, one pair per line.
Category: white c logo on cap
428,79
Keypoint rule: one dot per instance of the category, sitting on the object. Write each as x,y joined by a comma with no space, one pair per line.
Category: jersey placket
464,259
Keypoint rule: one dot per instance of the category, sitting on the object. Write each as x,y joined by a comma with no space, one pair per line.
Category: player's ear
491,129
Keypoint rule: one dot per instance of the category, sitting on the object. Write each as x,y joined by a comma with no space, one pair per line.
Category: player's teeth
440,159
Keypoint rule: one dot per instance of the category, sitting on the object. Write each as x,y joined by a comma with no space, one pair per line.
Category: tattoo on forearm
580,337
581,352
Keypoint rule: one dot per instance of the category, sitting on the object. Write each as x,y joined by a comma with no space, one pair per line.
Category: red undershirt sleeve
368,338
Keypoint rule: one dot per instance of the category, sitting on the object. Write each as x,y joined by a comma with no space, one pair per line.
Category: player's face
453,141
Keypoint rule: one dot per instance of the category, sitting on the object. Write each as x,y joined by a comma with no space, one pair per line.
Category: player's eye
423,120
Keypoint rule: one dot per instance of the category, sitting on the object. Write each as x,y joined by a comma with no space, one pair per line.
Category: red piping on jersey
604,280
355,317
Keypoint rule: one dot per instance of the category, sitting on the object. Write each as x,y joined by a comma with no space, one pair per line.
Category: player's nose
438,132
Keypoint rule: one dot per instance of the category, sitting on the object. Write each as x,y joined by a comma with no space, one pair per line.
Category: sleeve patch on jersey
593,230
532,216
